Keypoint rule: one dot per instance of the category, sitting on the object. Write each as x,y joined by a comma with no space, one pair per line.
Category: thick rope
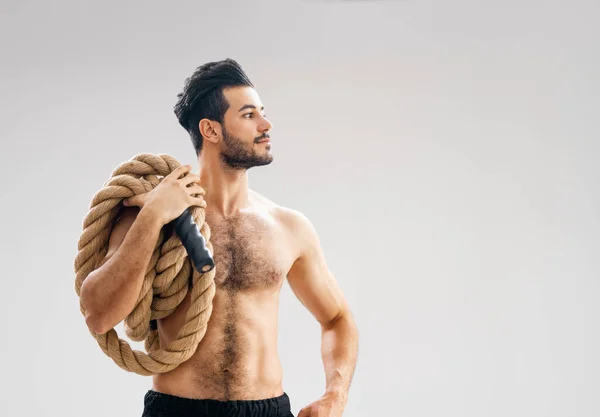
166,281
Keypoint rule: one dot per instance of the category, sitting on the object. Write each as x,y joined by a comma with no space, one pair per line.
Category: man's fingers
305,412
136,200
198,201
179,171
196,189
190,179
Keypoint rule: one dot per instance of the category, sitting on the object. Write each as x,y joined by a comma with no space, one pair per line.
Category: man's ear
210,130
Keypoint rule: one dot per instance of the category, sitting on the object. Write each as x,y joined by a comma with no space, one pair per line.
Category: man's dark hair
202,96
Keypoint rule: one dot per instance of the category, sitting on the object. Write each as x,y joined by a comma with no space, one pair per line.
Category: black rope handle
194,242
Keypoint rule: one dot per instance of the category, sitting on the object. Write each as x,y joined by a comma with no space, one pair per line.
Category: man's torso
237,358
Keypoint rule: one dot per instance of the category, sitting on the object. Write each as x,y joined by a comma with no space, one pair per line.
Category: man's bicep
310,278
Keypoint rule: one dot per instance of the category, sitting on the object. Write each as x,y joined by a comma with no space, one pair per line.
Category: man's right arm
109,293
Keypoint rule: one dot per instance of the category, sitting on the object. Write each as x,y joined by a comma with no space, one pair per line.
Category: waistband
268,407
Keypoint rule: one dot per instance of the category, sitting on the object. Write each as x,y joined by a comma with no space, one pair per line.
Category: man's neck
226,188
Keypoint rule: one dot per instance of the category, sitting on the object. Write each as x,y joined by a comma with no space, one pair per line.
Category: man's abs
237,358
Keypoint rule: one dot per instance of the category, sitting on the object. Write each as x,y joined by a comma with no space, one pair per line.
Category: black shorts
158,404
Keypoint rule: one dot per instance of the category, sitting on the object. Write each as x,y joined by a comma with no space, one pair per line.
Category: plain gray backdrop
446,151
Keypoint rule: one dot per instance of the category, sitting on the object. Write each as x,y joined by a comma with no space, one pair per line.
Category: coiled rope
166,281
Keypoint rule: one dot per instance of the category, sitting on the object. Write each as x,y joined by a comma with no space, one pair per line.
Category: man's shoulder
292,218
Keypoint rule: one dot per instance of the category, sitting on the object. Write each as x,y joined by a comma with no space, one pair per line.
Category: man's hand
329,405
172,196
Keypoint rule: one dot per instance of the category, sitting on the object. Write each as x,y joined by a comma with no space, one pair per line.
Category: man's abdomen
237,359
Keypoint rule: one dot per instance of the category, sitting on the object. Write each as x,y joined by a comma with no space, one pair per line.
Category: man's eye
249,115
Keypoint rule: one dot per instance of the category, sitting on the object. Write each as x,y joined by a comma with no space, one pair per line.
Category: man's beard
237,155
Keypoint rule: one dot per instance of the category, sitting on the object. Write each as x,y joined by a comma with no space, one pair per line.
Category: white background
446,151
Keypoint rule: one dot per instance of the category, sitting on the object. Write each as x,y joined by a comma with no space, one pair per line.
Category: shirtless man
235,370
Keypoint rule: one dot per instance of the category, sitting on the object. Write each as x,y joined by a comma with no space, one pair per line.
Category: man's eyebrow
249,106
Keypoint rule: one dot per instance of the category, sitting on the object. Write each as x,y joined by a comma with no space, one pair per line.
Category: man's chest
250,252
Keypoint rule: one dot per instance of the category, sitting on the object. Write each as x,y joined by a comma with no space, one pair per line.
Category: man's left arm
315,286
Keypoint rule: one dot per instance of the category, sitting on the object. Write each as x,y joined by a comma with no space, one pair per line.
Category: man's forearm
339,350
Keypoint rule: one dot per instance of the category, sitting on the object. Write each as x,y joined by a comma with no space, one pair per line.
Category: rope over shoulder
166,281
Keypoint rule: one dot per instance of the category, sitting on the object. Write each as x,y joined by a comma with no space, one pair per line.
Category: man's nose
266,125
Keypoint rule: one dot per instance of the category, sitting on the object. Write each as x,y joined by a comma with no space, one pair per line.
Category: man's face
246,140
